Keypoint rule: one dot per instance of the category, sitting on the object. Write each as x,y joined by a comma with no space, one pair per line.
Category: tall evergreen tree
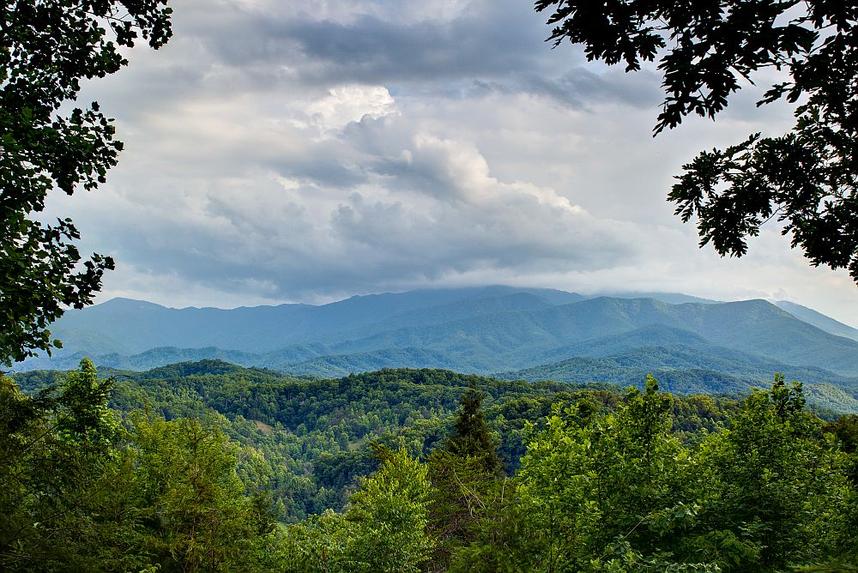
471,436
465,473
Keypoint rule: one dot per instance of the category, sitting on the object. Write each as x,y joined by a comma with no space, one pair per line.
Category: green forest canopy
207,466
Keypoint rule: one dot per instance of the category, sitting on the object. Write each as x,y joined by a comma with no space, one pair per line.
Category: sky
315,149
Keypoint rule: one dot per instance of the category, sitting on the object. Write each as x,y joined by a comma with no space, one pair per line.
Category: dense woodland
207,466
211,467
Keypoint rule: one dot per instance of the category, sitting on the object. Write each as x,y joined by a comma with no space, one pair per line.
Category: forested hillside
318,160
694,345
316,433
210,466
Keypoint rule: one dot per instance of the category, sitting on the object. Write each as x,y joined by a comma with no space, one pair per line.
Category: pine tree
466,474
471,436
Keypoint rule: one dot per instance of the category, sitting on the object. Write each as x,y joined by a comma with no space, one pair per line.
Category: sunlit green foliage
599,492
608,481
83,493
771,487
190,505
621,492
383,528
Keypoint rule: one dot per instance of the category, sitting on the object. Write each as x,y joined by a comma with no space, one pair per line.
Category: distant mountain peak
124,301
472,329
817,319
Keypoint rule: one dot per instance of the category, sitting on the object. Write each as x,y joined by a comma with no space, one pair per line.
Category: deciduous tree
47,48
807,178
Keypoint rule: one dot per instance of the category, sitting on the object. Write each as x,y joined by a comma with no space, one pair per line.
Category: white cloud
348,103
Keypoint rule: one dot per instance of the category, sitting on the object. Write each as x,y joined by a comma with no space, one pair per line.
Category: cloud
308,150
388,42
428,207
349,103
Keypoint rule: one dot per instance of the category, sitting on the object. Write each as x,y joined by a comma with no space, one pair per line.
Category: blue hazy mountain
668,297
530,333
818,319
679,367
128,326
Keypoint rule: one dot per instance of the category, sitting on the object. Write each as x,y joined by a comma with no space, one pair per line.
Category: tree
621,492
83,492
388,516
46,49
55,450
471,436
465,473
598,493
773,490
383,528
806,178
190,504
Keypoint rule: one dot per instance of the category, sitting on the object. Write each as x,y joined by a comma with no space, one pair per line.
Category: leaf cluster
805,179
46,50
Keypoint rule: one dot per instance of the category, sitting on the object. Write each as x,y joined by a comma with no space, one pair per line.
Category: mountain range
691,344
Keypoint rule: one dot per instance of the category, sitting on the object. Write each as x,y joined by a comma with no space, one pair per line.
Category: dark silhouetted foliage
807,178
46,49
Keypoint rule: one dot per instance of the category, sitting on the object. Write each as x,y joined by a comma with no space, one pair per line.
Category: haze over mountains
691,344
